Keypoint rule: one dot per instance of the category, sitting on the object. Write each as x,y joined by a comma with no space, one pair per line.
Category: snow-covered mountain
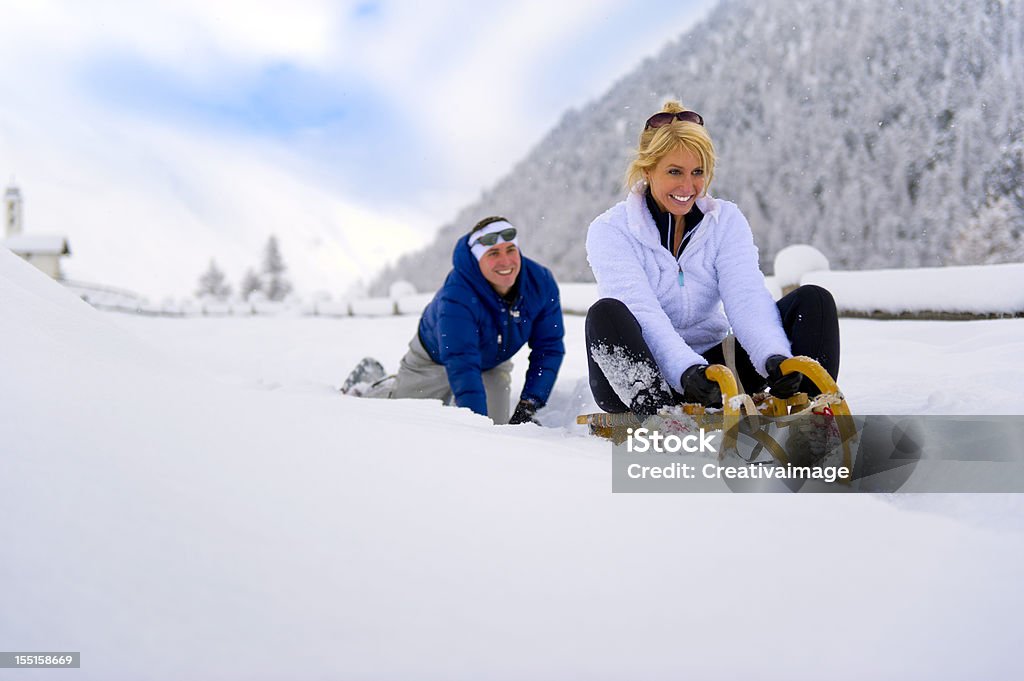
885,134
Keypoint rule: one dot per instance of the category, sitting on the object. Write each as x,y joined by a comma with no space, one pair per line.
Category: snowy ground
888,367
191,498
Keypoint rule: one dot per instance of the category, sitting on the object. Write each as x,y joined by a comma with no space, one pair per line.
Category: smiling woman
666,260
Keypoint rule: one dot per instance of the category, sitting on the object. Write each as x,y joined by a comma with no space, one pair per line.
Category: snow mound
50,333
793,262
401,289
18,279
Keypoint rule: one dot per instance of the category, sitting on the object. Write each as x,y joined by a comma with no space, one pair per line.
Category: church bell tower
12,211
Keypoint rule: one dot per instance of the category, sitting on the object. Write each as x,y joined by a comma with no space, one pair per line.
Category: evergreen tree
250,284
212,284
275,284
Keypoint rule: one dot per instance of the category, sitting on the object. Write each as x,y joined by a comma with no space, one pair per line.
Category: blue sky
374,120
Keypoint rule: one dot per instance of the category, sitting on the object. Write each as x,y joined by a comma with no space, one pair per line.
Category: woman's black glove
524,413
781,386
697,387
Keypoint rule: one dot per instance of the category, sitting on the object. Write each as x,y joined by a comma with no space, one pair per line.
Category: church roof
37,244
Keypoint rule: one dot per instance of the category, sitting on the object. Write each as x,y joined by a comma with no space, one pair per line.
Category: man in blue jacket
492,303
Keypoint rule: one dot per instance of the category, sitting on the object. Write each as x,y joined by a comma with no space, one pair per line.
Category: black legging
809,319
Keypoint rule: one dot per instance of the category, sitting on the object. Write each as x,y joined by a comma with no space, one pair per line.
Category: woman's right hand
698,388
783,386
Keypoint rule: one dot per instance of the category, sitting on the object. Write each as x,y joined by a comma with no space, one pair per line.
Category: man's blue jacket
470,329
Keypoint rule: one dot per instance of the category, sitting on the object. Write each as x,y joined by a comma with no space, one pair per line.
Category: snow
972,290
328,308
36,244
413,304
627,377
401,288
192,498
978,289
577,298
793,262
372,307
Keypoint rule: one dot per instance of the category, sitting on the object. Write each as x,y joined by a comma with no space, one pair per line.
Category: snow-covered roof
37,244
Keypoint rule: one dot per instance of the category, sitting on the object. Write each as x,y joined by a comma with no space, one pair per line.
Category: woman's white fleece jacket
719,268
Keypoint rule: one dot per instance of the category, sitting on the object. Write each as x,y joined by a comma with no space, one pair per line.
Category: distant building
42,250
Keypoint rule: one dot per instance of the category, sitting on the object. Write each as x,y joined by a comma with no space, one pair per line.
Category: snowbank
413,304
967,291
980,290
372,307
577,298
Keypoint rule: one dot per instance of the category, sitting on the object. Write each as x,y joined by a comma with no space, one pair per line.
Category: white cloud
147,201
184,34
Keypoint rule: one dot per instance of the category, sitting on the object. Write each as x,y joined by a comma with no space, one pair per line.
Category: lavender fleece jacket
719,269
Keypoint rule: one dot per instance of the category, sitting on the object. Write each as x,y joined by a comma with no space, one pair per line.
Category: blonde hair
656,143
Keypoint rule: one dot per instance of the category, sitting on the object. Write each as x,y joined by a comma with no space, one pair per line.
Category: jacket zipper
502,336
506,312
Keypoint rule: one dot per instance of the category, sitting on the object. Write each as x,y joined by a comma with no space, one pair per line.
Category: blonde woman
676,268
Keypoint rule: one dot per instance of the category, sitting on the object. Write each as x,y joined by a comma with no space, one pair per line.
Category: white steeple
12,210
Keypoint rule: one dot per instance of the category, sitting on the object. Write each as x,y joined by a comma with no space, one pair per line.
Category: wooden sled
762,410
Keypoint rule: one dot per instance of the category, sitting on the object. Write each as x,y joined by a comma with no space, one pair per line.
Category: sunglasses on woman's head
492,238
659,120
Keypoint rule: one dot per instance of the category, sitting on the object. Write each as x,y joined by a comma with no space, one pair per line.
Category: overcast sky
157,135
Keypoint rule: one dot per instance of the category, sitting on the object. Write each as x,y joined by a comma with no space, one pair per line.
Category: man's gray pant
421,377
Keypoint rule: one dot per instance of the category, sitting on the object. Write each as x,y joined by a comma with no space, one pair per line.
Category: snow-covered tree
994,235
250,284
212,284
274,283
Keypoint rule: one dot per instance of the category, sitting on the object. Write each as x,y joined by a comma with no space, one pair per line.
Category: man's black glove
697,387
781,386
524,413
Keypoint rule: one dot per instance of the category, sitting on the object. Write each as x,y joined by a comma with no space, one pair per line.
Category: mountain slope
886,136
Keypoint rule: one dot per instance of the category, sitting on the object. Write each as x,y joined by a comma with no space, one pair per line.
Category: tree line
268,279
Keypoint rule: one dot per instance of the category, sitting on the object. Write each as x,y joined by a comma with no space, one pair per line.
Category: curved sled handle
814,371
730,412
721,375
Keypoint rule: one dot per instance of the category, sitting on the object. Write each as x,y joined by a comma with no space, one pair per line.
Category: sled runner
812,427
